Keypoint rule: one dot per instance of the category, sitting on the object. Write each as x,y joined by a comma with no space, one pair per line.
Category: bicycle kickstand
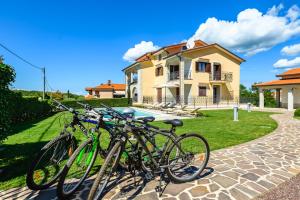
160,188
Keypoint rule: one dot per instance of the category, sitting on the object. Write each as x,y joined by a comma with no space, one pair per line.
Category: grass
217,127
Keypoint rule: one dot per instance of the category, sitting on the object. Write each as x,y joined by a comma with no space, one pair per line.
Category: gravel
289,190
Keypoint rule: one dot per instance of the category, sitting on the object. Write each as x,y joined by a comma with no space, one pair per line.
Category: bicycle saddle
146,119
174,122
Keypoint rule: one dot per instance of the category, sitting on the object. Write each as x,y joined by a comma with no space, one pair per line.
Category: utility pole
44,82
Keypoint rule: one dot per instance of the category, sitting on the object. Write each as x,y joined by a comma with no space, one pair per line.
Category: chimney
109,82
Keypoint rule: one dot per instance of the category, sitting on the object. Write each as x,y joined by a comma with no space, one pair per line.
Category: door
159,95
217,72
216,94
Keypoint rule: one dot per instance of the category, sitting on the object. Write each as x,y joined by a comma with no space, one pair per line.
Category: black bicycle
182,158
81,162
47,166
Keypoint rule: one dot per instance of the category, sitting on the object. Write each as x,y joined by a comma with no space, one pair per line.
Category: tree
7,77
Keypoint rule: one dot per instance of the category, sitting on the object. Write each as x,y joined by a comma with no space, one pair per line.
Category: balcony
173,75
224,76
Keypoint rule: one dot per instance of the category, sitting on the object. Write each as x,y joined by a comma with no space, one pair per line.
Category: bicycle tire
169,173
111,154
60,187
30,172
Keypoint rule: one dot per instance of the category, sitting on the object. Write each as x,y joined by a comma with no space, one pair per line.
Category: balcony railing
224,76
174,75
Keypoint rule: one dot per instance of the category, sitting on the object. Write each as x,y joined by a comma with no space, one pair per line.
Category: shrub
117,102
13,107
297,112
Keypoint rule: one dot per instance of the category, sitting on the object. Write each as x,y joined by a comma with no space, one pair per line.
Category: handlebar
64,107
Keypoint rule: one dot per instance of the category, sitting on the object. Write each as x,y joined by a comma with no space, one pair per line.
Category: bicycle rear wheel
77,169
188,158
106,172
48,164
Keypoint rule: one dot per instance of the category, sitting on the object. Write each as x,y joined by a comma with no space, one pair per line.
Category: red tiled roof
295,81
113,86
290,72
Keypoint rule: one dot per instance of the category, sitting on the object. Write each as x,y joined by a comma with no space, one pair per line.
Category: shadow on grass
16,158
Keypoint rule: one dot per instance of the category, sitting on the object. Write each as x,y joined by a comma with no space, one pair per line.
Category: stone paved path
241,172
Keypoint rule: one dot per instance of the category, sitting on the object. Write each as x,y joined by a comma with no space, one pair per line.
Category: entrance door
159,95
216,94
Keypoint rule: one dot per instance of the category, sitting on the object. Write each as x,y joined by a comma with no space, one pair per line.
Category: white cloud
252,32
282,63
291,50
138,50
274,11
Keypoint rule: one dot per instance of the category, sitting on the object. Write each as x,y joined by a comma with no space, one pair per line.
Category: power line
43,69
24,60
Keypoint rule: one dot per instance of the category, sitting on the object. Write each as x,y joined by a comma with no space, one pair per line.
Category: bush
13,107
117,102
297,112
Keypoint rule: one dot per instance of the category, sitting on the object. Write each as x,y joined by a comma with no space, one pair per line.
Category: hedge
297,112
116,102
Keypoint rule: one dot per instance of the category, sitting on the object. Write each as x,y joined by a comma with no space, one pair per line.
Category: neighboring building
105,91
204,74
287,89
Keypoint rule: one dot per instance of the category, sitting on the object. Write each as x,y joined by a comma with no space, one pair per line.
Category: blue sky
82,43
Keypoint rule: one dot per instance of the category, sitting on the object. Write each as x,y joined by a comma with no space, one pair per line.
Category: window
202,91
203,67
159,57
159,71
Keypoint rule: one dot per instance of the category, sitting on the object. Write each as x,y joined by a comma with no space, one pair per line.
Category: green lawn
217,127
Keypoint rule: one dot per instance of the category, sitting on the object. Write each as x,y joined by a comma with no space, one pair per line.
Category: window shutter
162,71
208,67
196,66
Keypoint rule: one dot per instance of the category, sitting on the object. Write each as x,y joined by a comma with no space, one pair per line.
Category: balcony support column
181,81
261,98
139,86
291,99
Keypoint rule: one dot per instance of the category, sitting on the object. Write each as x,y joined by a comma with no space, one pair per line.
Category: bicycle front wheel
49,162
106,172
77,169
187,158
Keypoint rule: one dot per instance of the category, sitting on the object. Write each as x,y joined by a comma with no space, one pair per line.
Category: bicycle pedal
158,189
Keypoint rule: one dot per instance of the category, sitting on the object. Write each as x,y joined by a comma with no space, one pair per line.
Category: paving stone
238,195
232,175
246,190
184,196
198,191
266,184
256,187
148,196
250,176
258,172
203,181
213,187
175,189
224,181
223,196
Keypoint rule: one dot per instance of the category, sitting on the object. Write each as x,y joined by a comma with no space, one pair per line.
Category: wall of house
149,82
284,96
228,64
106,94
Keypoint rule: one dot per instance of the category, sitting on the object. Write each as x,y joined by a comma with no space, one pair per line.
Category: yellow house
204,74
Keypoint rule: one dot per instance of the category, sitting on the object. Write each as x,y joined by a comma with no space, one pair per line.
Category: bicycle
47,165
82,160
174,159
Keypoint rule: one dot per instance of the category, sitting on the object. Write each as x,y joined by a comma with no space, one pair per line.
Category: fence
209,101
